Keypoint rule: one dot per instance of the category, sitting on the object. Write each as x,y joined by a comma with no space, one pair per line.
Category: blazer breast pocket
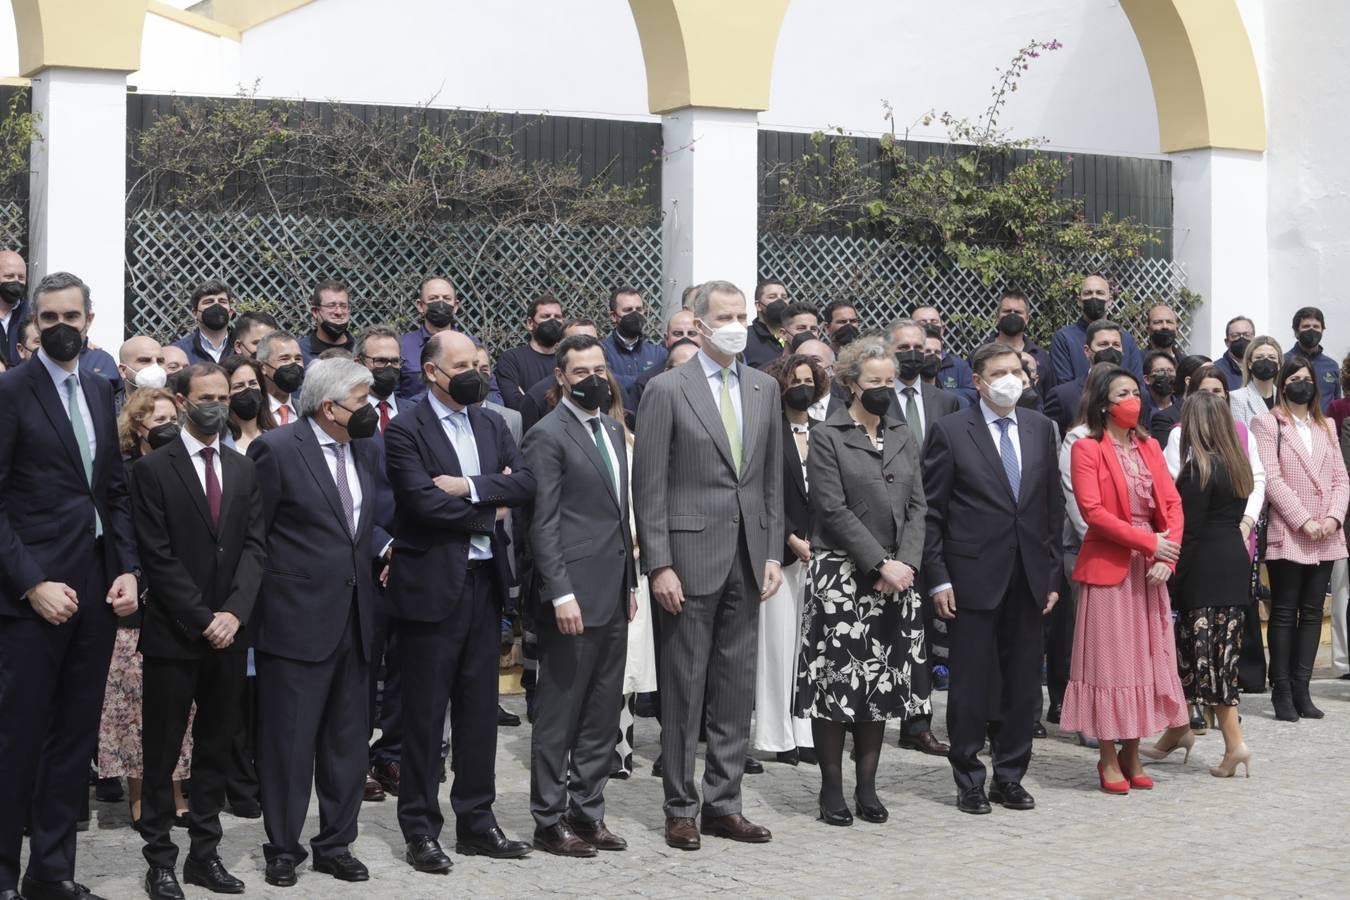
687,523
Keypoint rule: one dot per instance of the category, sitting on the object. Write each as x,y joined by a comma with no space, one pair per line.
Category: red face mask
1125,413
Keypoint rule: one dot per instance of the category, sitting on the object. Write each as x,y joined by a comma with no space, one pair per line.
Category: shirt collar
375,401
206,342
58,374
990,416
577,411
901,384
441,410
194,446
325,439
625,343
713,369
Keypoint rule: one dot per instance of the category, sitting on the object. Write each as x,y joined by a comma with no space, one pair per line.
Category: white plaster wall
176,59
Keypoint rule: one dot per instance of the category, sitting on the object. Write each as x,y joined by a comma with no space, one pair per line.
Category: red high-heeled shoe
1141,781
1111,787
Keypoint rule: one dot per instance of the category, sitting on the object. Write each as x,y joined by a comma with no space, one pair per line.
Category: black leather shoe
973,801
212,875
597,834
560,840
425,855
343,867
839,817
1011,795
32,889
876,814
753,766
657,769
247,809
506,718
491,843
925,742
280,872
387,774
1053,713
1038,730
806,755
109,790
162,884
787,757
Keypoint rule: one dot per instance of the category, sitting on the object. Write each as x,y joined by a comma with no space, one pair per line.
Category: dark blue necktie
1009,455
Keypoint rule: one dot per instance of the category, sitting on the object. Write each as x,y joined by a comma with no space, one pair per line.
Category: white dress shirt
59,377
211,349
1303,428
274,404
194,449
389,401
1255,500
585,418
713,371
466,451
329,447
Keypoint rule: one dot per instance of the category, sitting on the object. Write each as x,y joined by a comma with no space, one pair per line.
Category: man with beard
210,306
842,323
331,306
520,367
249,329
1163,329
627,352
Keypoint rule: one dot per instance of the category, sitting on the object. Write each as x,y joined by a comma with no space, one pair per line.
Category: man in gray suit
583,559
708,469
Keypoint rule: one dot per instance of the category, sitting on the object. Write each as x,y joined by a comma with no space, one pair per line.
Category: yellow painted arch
105,34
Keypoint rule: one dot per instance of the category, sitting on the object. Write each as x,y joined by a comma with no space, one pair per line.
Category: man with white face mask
140,362
990,563
708,468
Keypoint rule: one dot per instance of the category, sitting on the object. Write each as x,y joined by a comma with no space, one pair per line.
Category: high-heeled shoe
1111,787
877,814
840,817
1303,701
1185,742
1228,768
1138,780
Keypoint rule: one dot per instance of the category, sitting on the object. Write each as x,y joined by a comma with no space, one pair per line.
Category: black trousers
313,730
51,697
1004,643
1058,631
1297,595
216,683
386,686
454,661
241,767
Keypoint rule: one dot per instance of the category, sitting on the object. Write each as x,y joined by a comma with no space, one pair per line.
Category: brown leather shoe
561,841
597,835
682,833
737,828
925,742
374,790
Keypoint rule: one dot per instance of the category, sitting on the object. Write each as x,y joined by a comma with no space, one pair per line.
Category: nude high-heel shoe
1185,743
1228,768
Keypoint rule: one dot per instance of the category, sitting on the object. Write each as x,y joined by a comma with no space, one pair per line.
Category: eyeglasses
383,361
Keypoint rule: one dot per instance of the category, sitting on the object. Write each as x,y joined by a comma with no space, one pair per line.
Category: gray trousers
708,674
577,701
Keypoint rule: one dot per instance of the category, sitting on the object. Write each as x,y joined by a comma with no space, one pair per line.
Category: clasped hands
1317,529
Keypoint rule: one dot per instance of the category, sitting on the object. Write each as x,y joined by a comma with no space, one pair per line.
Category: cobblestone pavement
1283,833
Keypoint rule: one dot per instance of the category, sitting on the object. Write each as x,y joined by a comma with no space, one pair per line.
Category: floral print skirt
1209,642
859,647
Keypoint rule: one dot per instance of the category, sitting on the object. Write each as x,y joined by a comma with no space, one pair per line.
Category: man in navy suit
67,564
991,563
315,618
455,471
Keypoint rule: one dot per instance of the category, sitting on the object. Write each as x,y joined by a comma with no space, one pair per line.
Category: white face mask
152,376
730,338
1005,390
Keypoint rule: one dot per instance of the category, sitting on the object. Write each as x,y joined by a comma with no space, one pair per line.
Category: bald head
134,348
12,267
681,327
446,355
819,351
174,359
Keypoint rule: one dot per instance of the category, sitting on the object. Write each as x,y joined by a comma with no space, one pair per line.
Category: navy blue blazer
46,504
315,569
431,529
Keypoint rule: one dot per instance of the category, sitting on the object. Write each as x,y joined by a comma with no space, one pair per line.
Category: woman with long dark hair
249,412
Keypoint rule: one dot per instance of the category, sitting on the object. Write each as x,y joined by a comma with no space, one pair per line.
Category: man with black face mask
1237,336
210,306
454,471
13,290
283,364
1160,374
1010,328
331,307
1309,326
531,362
579,457
204,571
1103,342
1067,361
1163,330
762,345
916,403
377,348
627,352
437,306
842,323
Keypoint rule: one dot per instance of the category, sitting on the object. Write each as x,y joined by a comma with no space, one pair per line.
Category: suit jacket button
735,520
890,478
220,549
351,582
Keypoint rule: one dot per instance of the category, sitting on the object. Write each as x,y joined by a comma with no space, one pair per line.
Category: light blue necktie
1009,456
466,448
82,440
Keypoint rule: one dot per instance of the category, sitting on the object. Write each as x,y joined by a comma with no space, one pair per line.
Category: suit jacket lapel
984,441
700,397
750,405
229,474
50,401
1030,448
312,454
97,412
434,435
584,439
187,473
367,489
1303,455
483,439
897,436
1117,474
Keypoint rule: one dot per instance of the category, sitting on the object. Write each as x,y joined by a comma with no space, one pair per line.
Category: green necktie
729,420
912,415
82,440
599,434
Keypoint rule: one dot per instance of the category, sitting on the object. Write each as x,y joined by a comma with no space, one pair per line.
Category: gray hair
60,281
897,324
848,367
704,293
375,331
271,339
330,379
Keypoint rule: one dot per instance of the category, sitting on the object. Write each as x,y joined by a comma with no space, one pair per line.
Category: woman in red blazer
1307,489
1123,680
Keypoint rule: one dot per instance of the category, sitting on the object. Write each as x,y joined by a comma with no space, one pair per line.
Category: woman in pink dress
1123,681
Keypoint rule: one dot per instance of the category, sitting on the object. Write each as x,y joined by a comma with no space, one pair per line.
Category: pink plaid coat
1301,486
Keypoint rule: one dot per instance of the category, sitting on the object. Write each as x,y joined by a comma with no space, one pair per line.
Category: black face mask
1029,399
1094,308
209,417
1265,369
468,387
1309,339
62,342
13,293
246,404
1162,338
289,377
334,330
362,423
877,400
1012,325
800,397
845,335
162,435
386,379
1238,348
909,363
215,317
440,314
773,312
548,332
591,393
1108,355
1300,392
630,326
1163,384
931,363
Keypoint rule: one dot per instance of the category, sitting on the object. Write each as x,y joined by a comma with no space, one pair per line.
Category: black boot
1283,701
1303,701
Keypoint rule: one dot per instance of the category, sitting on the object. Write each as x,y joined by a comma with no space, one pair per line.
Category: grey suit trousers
577,701
708,673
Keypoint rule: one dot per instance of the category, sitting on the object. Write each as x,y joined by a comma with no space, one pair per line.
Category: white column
709,200
1219,215
77,189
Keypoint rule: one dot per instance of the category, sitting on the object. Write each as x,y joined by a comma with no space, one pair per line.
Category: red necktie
212,487
285,412
384,415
